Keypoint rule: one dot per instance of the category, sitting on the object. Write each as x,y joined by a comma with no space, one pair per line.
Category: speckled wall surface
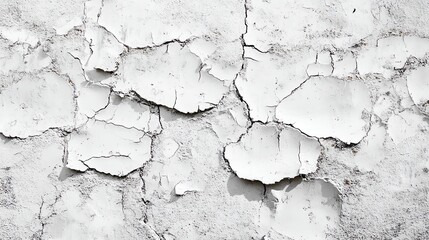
214,119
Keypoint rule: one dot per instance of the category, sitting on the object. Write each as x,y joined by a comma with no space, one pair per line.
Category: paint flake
328,107
108,148
170,76
269,154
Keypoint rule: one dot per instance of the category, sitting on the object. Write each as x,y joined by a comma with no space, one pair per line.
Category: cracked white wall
242,119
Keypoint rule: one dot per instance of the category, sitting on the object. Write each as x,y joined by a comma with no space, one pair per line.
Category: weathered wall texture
214,119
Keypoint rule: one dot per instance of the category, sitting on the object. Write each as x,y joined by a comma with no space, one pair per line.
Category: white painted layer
328,107
105,49
418,85
127,113
171,76
35,103
269,77
184,187
108,148
269,154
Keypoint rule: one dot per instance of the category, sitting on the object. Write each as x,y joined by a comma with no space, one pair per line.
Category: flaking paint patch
328,107
281,72
418,87
270,153
171,76
108,148
217,119
116,141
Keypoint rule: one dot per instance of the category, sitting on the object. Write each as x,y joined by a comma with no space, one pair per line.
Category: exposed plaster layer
230,120
397,204
87,214
225,207
405,125
19,36
371,152
39,17
328,107
61,204
344,64
19,56
302,205
31,161
270,153
64,26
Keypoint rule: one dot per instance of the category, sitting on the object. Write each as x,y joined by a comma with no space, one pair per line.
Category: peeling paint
269,154
328,107
246,119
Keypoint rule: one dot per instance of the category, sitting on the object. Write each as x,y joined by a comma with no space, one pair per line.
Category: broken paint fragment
184,187
418,87
105,49
171,76
128,114
328,107
114,141
269,153
218,41
269,77
108,148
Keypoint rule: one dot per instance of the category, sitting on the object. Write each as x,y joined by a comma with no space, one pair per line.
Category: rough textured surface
242,119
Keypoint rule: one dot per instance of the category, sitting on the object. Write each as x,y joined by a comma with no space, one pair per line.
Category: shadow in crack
251,190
